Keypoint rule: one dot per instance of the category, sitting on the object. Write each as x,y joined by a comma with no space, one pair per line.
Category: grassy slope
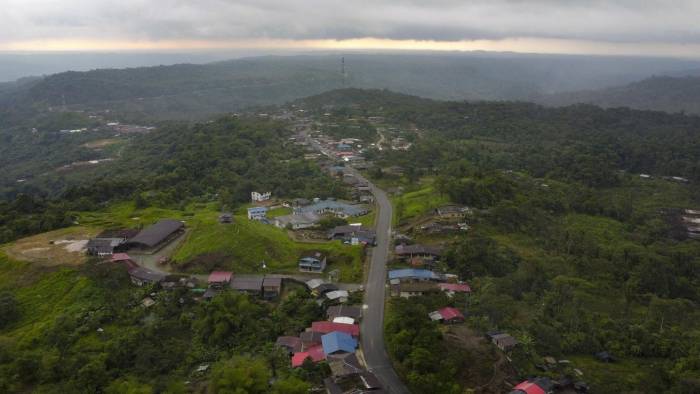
241,246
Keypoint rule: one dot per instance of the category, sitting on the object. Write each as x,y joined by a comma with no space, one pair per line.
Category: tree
239,375
9,310
290,385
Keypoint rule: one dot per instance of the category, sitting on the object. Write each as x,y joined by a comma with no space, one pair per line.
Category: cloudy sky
647,27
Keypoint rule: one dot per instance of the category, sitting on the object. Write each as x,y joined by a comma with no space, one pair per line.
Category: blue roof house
338,342
413,274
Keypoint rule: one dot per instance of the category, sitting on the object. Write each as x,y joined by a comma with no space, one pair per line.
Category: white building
258,197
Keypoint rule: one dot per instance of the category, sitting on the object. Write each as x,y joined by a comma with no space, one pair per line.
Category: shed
455,287
248,284
352,311
156,234
272,287
338,295
504,342
451,315
219,279
310,339
291,344
315,353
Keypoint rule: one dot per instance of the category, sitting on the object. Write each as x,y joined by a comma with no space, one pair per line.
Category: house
534,386
447,315
338,342
291,344
252,285
343,364
324,327
333,207
219,279
505,342
324,288
226,218
310,339
452,288
260,197
357,383
452,211
156,235
314,283
353,234
412,274
312,262
315,354
142,276
109,242
297,222
408,252
412,289
257,213
352,311
272,287
337,295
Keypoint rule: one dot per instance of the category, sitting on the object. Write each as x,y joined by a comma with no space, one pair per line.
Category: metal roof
337,341
413,273
157,233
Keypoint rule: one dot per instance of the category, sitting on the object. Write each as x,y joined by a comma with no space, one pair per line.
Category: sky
622,27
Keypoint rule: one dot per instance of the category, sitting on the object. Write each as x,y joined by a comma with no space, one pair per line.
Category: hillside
188,91
663,93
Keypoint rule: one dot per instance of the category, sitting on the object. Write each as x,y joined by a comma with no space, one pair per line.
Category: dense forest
569,249
222,160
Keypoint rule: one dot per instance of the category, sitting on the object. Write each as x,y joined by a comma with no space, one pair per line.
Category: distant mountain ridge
660,93
198,91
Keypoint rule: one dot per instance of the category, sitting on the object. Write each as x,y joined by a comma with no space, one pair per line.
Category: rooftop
157,233
220,276
412,273
337,341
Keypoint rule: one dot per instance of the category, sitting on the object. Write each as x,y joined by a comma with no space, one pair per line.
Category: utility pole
342,69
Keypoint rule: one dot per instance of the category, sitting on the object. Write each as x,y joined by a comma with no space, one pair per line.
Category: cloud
622,21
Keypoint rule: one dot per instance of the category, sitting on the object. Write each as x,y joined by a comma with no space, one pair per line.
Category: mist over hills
661,93
196,91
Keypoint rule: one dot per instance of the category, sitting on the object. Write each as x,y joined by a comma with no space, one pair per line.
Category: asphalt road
372,325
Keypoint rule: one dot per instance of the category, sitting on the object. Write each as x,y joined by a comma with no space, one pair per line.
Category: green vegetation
569,249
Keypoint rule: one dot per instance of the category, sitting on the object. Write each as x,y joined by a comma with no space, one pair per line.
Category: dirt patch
98,144
489,370
60,247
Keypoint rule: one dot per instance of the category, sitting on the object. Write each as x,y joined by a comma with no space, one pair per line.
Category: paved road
372,325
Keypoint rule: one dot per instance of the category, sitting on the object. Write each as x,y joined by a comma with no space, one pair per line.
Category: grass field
413,204
241,246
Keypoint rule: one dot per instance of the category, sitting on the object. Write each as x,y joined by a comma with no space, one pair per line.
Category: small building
260,197
314,283
447,315
453,288
142,276
109,242
257,213
156,235
312,262
343,364
408,252
272,287
291,344
325,327
333,207
413,289
363,382
315,354
338,342
297,222
534,386
251,285
352,311
226,218
324,288
452,211
503,341
338,296
219,279
412,274
310,339
353,234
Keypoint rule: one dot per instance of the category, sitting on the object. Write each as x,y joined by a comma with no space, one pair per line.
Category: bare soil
55,248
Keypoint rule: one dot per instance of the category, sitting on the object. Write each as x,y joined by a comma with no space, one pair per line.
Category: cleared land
60,247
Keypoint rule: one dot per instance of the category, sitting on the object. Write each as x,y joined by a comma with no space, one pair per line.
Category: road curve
372,325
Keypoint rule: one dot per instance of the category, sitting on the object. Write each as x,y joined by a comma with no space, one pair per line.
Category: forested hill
664,93
580,141
187,91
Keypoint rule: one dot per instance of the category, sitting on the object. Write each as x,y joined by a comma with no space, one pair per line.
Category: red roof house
528,387
315,353
118,257
325,327
455,287
451,315
220,278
